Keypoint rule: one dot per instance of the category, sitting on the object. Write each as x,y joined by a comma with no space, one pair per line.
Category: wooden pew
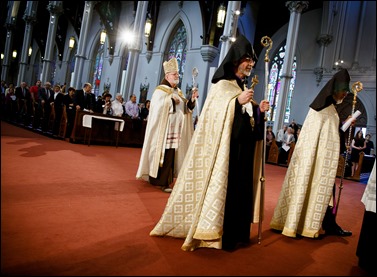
51,119
291,152
341,164
63,124
273,155
103,132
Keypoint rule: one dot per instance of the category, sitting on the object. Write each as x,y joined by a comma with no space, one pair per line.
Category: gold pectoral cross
252,122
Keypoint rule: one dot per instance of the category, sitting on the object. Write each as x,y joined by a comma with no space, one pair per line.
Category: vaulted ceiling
270,17
72,13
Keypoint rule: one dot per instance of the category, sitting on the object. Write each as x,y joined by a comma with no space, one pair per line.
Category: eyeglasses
248,60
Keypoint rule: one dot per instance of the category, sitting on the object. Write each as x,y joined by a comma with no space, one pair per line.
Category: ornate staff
254,81
356,88
195,73
266,42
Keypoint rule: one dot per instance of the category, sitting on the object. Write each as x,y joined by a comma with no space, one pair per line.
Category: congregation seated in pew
284,150
274,153
345,169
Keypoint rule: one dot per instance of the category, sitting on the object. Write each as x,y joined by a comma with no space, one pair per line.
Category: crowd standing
51,109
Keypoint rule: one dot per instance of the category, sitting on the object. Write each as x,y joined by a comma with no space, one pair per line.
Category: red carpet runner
69,209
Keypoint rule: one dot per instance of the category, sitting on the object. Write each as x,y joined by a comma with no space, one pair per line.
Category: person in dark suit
358,145
369,145
23,97
270,136
45,97
58,108
70,110
100,104
106,107
84,98
145,110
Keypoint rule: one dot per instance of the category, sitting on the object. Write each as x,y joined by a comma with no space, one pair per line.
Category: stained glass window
71,65
274,84
97,71
177,48
37,65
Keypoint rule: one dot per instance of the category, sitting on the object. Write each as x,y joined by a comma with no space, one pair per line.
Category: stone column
359,41
30,20
55,8
77,81
209,53
10,25
324,40
135,49
230,27
296,8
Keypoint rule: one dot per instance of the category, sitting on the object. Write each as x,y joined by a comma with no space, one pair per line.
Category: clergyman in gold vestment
168,132
215,198
306,201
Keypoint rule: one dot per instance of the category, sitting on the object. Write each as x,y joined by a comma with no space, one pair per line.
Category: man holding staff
215,198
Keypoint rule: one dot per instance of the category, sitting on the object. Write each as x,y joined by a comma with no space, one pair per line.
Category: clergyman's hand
352,122
195,94
245,96
264,106
176,99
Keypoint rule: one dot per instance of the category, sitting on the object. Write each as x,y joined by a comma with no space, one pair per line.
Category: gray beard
245,72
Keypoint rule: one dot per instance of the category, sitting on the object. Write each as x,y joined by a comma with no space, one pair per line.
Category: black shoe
338,231
245,243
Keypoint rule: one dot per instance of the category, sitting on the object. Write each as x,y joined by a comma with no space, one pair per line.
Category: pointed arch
177,47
